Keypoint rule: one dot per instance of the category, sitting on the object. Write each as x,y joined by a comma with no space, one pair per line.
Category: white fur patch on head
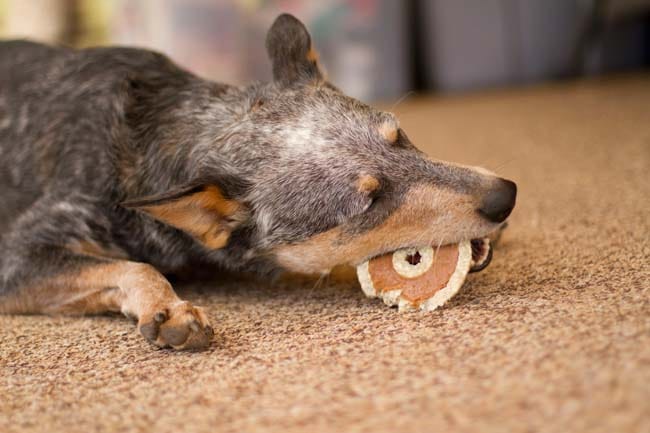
302,136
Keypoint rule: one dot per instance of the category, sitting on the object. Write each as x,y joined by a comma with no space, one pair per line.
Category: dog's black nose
499,201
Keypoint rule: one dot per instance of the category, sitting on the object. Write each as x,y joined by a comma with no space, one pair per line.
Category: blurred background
372,49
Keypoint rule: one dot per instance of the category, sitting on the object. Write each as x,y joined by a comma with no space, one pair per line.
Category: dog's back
62,119
68,149
21,180
42,105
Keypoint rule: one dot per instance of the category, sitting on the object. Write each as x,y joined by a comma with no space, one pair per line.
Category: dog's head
329,179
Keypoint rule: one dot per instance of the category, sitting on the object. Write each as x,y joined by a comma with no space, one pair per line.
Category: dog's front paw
180,326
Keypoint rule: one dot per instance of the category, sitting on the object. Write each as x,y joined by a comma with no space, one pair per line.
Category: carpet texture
553,336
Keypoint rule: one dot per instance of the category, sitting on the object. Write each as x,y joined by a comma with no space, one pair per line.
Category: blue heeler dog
118,167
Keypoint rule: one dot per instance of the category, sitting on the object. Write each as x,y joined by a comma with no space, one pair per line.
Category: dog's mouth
481,254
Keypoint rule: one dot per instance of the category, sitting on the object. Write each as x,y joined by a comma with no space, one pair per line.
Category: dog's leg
61,282
57,258
88,285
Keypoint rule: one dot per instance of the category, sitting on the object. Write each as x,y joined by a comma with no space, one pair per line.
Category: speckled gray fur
81,131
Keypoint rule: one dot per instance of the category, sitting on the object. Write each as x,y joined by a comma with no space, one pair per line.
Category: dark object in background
465,44
615,36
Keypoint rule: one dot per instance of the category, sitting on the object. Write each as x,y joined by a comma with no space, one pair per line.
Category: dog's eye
372,200
368,204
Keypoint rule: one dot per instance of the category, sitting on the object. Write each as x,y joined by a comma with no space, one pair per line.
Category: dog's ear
292,55
200,210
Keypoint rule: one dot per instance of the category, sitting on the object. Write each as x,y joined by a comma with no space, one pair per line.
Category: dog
119,167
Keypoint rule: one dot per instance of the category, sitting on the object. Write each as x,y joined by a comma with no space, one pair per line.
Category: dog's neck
174,133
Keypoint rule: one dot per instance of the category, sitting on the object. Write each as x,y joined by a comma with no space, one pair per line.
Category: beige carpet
554,336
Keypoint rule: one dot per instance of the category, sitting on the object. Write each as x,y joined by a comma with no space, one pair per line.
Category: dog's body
117,165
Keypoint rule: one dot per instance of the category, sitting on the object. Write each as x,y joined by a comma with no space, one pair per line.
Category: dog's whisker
402,99
321,282
435,254
503,164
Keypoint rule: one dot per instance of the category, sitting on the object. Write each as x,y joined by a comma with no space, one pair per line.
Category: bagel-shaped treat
422,278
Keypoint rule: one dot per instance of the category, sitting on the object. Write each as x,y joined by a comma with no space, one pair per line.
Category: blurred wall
498,42
372,49
225,39
42,19
475,44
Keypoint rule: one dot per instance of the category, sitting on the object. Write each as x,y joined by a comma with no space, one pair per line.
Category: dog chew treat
417,278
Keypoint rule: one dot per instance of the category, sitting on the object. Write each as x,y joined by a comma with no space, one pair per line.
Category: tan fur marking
206,215
257,105
367,184
312,55
388,130
140,284
120,286
428,216
129,287
90,248
137,290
